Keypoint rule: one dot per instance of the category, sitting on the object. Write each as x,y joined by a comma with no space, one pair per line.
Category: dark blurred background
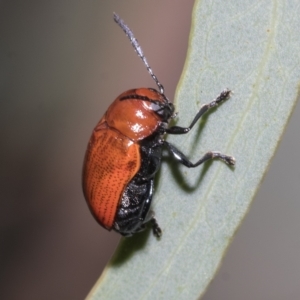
61,64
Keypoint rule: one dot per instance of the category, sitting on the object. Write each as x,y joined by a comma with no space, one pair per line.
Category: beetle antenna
137,49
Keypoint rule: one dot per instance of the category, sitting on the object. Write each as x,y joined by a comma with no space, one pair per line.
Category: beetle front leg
179,156
225,94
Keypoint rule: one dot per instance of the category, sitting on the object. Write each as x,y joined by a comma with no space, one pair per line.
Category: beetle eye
156,106
165,111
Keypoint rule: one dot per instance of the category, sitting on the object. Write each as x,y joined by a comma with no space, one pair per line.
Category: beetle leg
179,156
225,94
156,161
155,227
153,153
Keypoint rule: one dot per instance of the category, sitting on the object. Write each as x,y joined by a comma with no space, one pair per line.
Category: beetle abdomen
134,207
111,161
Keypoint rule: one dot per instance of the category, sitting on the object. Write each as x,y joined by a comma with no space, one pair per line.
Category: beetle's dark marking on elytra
144,98
139,97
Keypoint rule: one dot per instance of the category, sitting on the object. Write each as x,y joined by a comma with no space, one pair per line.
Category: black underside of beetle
134,208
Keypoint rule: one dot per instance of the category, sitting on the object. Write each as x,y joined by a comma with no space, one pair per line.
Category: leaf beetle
125,151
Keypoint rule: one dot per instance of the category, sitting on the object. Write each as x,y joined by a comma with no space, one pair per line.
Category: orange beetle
125,150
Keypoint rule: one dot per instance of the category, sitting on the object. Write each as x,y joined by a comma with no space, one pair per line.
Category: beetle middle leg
179,156
224,95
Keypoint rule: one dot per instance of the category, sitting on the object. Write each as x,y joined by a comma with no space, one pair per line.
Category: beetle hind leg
155,227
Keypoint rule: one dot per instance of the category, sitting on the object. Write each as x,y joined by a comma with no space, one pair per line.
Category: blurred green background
62,64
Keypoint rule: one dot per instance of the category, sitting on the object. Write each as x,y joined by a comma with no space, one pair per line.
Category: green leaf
252,48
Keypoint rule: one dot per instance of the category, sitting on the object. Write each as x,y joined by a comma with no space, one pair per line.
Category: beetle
125,151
